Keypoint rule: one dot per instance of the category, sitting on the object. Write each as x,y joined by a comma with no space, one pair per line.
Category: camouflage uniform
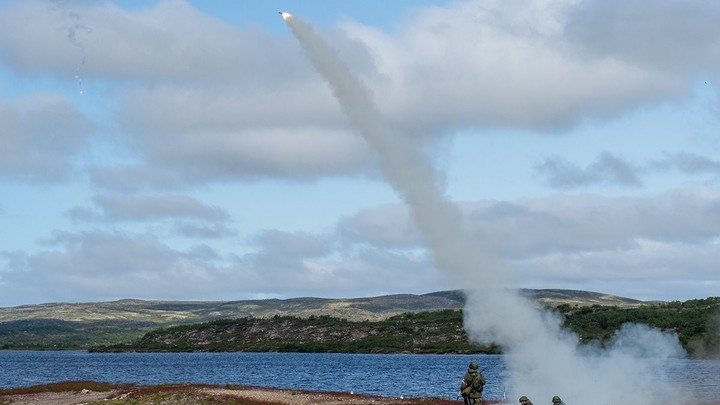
472,383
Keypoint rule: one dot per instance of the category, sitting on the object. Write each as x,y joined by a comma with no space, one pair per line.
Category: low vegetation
423,332
695,322
65,386
86,392
51,334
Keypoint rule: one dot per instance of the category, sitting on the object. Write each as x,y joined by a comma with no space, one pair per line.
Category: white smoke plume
709,346
543,359
403,166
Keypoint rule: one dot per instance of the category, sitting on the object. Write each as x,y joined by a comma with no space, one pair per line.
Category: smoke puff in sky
544,359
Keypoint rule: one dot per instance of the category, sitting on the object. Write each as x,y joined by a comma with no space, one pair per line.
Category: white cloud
506,63
203,231
563,223
40,135
686,162
647,248
678,36
388,226
585,241
209,101
99,265
608,168
142,208
168,41
185,100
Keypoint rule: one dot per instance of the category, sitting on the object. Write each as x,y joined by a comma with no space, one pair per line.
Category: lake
378,374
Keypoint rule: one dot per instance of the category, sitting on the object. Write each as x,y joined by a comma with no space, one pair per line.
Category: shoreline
97,393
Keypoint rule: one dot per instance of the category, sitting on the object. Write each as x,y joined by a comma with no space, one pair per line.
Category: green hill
87,325
424,332
421,332
697,322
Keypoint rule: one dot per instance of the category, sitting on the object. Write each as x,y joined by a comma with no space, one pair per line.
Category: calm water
386,375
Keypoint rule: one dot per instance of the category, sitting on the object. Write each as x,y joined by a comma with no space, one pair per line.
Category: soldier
557,401
472,385
525,401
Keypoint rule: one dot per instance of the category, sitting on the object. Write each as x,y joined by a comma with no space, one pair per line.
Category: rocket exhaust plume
542,358
402,165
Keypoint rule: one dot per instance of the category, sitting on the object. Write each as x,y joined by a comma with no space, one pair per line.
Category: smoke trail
543,359
73,20
402,165
73,39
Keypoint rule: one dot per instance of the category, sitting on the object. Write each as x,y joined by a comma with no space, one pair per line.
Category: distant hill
424,332
420,332
84,325
556,298
354,309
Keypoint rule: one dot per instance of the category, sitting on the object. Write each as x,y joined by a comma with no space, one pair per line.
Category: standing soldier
557,401
472,385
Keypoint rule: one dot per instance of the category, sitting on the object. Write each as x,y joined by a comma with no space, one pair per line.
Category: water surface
391,375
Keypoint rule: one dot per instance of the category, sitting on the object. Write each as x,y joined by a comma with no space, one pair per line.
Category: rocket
285,15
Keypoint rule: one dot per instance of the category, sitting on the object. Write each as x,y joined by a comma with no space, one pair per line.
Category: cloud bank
178,104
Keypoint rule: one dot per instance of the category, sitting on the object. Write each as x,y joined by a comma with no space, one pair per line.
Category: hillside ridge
354,309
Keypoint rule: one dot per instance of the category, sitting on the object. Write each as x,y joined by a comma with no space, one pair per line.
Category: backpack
465,387
476,383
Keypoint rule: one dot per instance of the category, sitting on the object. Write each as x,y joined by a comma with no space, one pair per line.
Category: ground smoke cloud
543,359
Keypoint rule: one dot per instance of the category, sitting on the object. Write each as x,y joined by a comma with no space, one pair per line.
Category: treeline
697,323
56,334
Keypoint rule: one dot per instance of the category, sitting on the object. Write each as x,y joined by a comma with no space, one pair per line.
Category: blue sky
188,150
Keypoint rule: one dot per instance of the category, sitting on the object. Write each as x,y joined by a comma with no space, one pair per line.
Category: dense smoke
543,359
707,346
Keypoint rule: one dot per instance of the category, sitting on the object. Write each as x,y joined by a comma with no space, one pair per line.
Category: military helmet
473,365
523,398
556,399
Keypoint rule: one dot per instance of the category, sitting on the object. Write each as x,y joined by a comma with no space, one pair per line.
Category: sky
187,150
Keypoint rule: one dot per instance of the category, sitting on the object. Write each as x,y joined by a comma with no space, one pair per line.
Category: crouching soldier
525,400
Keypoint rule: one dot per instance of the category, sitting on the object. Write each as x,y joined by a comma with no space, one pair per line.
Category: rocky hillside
421,332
